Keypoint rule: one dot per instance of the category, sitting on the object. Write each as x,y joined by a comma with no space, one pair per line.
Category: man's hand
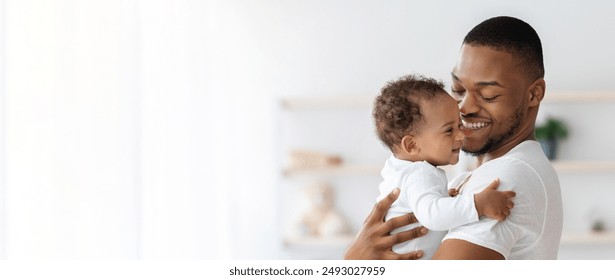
373,241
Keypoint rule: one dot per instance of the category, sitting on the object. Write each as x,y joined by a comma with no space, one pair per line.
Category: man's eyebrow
489,83
479,84
455,77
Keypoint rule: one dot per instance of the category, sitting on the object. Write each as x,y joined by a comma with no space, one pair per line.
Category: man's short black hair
511,35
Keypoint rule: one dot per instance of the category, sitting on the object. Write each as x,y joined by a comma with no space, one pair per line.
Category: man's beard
497,140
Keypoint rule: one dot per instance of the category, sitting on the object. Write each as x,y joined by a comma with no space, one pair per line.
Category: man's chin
473,152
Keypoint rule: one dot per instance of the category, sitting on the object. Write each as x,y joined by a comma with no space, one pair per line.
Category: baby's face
440,138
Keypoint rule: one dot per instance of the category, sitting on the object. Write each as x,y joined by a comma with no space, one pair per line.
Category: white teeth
473,125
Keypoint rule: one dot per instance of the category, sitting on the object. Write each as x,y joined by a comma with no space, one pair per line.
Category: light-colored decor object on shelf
313,159
322,219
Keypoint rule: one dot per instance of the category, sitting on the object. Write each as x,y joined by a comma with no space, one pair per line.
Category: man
498,82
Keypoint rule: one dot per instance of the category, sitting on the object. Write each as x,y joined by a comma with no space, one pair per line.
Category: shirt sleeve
490,233
432,206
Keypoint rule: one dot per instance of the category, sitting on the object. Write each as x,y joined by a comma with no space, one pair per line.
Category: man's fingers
397,222
382,207
390,256
410,256
509,194
412,218
404,236
494,185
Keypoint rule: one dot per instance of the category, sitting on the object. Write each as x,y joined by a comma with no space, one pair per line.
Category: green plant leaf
552,129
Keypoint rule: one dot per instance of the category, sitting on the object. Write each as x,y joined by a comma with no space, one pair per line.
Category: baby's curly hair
397,111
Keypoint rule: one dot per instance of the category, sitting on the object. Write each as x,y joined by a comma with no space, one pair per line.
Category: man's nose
468,105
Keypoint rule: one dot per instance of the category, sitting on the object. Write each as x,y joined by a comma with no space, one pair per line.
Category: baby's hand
453,192
494,204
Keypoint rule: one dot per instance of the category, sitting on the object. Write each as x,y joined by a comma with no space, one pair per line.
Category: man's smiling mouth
474,125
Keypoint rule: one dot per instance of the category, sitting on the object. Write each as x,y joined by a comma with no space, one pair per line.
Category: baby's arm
492,203
426,196
436,211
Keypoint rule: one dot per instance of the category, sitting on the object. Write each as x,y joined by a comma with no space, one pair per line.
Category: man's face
492,93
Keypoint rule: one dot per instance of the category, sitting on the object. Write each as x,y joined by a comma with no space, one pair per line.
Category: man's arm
457,249
374,241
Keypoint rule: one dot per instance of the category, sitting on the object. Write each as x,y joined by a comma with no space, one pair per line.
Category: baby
419,122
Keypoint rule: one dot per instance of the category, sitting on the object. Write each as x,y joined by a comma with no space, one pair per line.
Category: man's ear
537,92
408,145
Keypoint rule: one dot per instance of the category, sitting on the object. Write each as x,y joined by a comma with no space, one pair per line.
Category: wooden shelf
335,171
328,102
601,238
581,166
319,241
564,166
580,96
364,101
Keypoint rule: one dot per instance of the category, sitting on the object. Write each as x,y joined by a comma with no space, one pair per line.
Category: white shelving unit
334,176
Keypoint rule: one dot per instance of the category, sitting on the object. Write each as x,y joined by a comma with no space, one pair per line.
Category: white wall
2,136
126,125
107,119
343,48
70,131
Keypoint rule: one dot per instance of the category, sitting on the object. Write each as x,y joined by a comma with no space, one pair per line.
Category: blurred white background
152,129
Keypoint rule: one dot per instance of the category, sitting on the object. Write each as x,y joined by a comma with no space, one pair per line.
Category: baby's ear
409,146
